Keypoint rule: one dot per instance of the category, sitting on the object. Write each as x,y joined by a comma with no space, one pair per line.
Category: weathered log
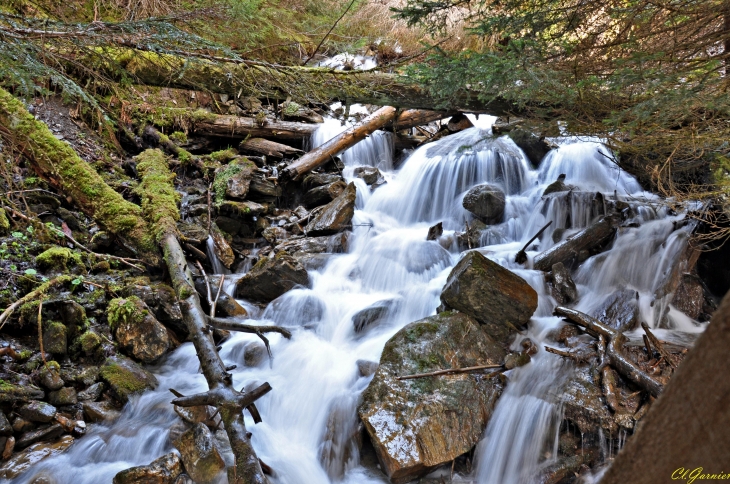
688,420
249,78
265,147
229,325
586,239
159,203
521,256
56,162
339,143
583,320
239,127
668,357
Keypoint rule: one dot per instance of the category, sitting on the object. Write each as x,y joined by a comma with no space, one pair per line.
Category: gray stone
366,368
534,147
336,215
318,179
164,470
10,392
36,411
137,330
270,278
50,376
92,393
100,411
418,424
64,396
326,244
620,310
374,314
486,202
563,288
369,174
493,295
54,338
49,432
200,455
323,194
5,427
274,235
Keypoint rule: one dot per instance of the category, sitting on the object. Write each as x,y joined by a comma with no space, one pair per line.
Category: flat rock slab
270,278
418,424
493,295
22,461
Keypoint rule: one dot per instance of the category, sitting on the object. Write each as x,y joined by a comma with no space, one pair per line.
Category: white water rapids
315,375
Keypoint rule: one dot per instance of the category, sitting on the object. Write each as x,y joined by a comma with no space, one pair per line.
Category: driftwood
627,368
229,325
240,127
668,357
339,143
158,203
586,239
450,371
265,147
521,256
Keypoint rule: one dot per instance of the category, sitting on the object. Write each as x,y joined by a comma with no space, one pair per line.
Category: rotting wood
608,384
586,239
521,256
339,143
583,320
238,127
450,371
266,147
668,357
158,193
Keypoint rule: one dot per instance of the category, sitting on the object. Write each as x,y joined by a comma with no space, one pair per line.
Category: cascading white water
309,418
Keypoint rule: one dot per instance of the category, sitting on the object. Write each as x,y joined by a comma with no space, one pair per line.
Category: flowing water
310,416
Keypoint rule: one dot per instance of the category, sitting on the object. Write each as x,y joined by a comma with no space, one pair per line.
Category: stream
315,375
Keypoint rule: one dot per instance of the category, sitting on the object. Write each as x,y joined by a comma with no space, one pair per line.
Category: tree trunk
339,143
586,239
688,421
239,127
160,206
56,162
260,146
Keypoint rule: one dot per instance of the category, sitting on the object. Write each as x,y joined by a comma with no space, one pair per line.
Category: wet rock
472,237
254,354
366,368
435,232
100,411
557,186
515,360
235,178
246,207
313,262
486,202
88,375
263,189
336,215
496,297
45,433
21,425
418,424
373,315
8,448
221,247
620,310
319,179
369,174
295,309
228,225
200,455
137,330
273,235
333,244
92,393
583,404
54,338
72,313
164,470
16,393
563,288
535,147
323,194
5,427
689,296
226,305
125,378
36,411
196,414
22,461
459,122
64,396
270,278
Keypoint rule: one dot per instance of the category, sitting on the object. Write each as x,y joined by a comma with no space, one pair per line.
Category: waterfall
309,418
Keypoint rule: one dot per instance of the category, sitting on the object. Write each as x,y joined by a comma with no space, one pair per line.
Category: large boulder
160,471
137,330
498,298
336,215
620,310
535,147
270,278
125,378
325,244
200,455
486,202
418,424
323,194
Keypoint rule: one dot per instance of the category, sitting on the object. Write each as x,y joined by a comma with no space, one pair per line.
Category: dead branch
229,325
31,296
521,256
668,357
450,371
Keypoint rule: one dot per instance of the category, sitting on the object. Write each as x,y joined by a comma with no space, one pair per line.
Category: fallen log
688,420
260,146
449,371
583,320
339,143
55,161
586,239
521,256
159,202
238,127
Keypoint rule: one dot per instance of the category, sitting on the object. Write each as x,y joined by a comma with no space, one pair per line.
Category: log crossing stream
310,416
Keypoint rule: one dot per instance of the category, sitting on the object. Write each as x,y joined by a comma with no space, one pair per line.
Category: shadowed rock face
487,202
493,295
336,215
270,278
421,423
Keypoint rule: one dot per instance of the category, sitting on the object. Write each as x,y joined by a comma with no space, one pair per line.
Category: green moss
59,259
220,183
291,108
125,309
178,137
121,379
159,199
223,156
24,355
184,156
54,338
4,222
89,341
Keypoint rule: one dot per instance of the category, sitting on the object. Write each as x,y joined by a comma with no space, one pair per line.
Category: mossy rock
90,342
60,259
11,393
55,338
137,330
126,378
4,222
